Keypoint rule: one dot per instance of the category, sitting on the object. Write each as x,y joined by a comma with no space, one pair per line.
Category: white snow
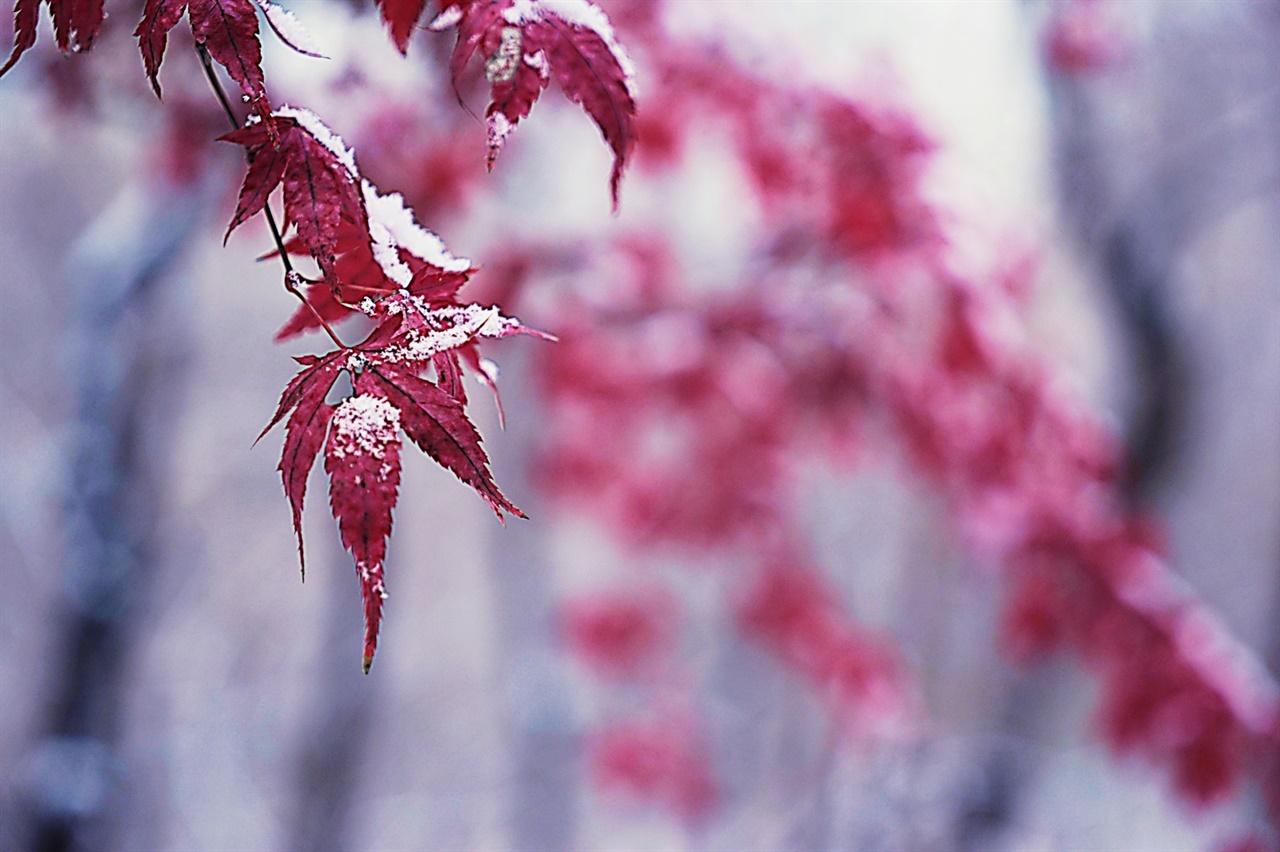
393,227
449,327
331,141
290,30
363,425
577,13
446,19
538,62
500,128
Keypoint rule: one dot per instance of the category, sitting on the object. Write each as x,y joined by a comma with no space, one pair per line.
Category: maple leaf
75,26
362,458
228,29
438,425
400,16
303,401
293,149
360,435
527,43
390,251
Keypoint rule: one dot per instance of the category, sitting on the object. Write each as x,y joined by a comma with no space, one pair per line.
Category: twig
291,276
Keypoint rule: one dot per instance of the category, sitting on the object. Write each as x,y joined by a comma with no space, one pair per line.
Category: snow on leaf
75,26
437,423
294,150
289,29
425,330
392,226
362,458
526,43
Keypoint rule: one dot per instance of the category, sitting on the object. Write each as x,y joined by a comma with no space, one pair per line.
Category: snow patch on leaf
363,425
580,13
290,30
396,221
538,62
320,131
499,128
446,19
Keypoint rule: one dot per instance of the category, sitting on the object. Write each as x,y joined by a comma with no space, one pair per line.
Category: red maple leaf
437,423
525,45
228,29
400,16
292,149
362,458
303,401
386,252
75,26
360,435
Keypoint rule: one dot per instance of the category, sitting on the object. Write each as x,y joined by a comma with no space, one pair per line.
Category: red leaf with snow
391,251
362,458
292,149
75,26
437,423
525,44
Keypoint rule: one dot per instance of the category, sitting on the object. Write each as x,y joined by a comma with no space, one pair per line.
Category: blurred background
169,683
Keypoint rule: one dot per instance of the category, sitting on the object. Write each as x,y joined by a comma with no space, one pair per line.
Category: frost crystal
364,425
311,123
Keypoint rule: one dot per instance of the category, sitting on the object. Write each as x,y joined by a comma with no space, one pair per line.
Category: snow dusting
500,128
363,425
290,30
447,328
446,19
395,221
502,66
538,62
333,143
576,13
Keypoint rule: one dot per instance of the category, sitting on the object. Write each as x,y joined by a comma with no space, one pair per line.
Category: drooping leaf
400,16
229,31
526,43
292,149
75,26
26,13
289,29
303,401
158,17
362,458
437,423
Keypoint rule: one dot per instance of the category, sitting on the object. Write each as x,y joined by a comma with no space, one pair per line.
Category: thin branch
291,276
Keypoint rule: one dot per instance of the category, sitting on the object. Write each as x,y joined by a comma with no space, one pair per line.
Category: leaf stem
291,276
